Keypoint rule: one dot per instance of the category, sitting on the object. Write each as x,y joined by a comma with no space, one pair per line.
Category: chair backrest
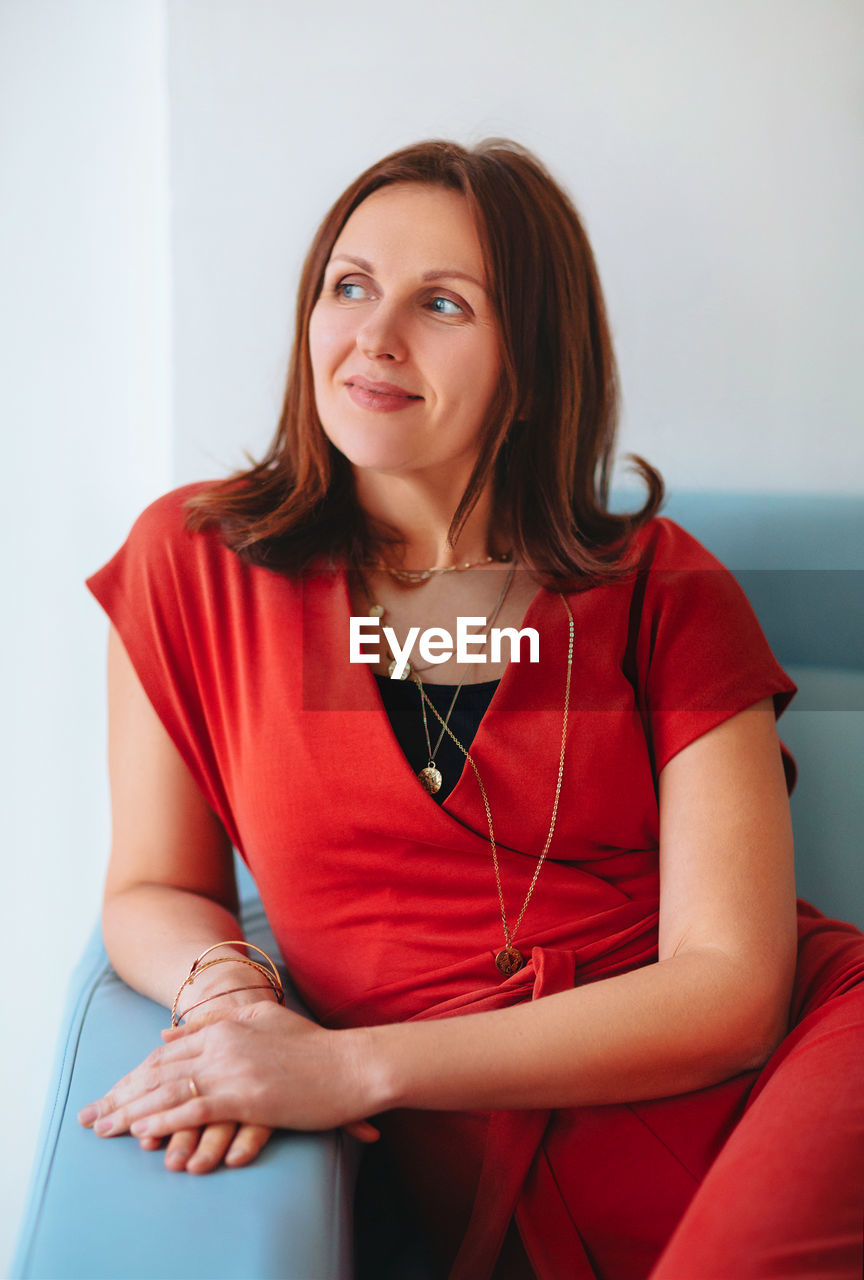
800,558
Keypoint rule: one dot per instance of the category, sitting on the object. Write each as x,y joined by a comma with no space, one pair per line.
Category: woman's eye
344,286
447,302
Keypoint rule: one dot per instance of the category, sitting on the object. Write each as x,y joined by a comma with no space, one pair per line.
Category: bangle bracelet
230,992
271,974
275,982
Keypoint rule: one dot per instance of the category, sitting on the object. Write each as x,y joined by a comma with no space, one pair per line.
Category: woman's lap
757,1177
760,1176
785,1197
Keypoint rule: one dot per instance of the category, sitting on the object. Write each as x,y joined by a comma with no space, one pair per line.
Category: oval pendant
431,778
509,961
391,667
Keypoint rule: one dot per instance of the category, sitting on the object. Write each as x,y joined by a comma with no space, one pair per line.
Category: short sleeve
152,590
702,655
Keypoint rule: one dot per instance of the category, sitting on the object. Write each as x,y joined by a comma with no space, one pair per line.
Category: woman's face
404,344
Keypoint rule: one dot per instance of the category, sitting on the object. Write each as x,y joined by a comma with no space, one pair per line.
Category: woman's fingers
176,1058
180,1148
174,1061
174,1114
362,1130
214,1142
172,1102
200,1150
249,1140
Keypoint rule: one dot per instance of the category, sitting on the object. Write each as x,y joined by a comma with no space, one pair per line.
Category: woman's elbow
768,1038
766,1024
752,1010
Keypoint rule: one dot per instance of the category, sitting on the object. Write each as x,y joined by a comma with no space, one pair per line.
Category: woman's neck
421,513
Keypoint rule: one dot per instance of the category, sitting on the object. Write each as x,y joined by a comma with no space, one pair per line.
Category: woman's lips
385,399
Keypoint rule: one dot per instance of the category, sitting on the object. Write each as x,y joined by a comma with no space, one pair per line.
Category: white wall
714,150
85,343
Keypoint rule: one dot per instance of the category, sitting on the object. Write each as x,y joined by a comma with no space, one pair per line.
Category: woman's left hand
258,1065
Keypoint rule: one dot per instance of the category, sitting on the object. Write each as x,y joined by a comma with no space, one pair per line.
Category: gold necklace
409,669
431,777
411,576
376,610
509,959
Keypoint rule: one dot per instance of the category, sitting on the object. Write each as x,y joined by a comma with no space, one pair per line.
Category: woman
554,1050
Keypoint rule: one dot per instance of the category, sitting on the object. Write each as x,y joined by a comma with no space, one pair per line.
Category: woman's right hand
202,1150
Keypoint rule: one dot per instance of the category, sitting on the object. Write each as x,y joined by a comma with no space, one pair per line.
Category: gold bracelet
273,978
258,986
274,981
271,974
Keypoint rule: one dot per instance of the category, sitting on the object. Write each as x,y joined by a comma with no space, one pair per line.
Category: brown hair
549,440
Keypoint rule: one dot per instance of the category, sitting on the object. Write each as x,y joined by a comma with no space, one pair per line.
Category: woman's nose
381,337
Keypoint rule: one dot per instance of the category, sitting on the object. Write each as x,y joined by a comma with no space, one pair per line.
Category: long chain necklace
431,776
509,959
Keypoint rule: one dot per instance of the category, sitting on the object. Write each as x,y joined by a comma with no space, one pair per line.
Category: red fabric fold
512,1140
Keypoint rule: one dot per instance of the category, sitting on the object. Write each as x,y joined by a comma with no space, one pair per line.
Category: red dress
385,908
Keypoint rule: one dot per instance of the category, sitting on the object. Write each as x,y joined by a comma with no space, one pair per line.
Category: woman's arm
715,1004
170,890
170,894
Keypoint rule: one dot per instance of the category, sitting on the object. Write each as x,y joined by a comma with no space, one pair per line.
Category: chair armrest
105,1208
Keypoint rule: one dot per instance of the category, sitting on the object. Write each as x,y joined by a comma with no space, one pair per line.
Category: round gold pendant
391,667
509,961
431,778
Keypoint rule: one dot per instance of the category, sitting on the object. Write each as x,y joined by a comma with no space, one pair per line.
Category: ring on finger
193,1088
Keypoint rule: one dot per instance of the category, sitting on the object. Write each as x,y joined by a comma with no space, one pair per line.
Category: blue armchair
104,1209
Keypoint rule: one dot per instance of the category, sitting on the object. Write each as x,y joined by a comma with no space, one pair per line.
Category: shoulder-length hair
549,440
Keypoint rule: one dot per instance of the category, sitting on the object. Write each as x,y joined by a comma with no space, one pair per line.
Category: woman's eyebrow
437,273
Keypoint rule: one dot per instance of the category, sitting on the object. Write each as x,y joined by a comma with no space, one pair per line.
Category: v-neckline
501,695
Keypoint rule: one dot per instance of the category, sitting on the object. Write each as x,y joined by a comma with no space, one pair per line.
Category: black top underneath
401,700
